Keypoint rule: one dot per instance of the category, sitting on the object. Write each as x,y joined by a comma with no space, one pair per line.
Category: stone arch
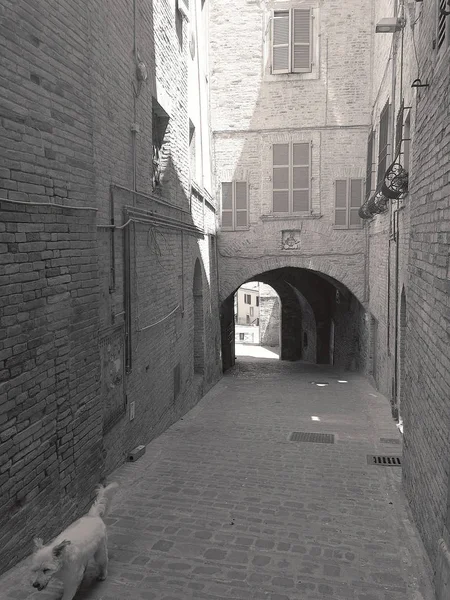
199,324
236,271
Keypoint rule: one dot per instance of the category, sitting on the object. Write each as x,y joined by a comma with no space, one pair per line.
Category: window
241,337
252,311
247,319
257,322
234,205
348,199
383,145
291,177
247,298
443,27
291,41
257,300
369,169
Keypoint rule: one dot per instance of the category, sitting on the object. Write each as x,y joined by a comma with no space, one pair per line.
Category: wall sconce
390,25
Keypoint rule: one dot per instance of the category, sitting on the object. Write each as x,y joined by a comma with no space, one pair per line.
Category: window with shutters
383,143
234,205
292,41
291,177
347,201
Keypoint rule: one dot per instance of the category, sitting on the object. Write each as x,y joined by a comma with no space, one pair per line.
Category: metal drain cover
390,441
384,461
305,436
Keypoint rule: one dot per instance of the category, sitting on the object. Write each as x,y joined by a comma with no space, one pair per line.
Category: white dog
68,555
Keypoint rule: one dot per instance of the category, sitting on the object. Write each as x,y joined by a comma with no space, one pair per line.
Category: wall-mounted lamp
390,25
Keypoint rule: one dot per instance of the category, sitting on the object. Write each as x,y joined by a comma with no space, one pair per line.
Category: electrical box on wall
132,407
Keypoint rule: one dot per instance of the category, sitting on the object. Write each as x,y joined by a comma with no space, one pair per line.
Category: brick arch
235,271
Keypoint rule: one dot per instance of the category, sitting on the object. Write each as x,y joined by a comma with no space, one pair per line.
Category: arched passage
199,325
329,314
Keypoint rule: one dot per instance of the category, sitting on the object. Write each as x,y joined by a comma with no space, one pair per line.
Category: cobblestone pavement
224,506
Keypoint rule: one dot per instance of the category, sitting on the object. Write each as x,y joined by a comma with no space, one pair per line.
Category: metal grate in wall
317,438
384,461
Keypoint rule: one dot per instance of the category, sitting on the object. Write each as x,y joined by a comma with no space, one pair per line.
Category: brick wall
67,108
50,418
425,407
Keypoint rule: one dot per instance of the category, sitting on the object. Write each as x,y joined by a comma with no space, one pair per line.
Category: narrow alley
223,505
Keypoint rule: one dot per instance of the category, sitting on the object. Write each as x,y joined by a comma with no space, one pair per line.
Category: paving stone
180,526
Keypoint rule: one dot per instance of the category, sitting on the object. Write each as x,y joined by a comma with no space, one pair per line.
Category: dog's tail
103,501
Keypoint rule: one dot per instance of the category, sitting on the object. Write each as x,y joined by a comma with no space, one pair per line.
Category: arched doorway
332,317
199,325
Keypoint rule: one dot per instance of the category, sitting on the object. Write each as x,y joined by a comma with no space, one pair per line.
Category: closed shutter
340,203
356,197
301,40
241,204
300,177
280,41
369,164
280,178
227,205
383,144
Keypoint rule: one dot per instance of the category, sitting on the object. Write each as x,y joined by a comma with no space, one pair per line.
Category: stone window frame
276,5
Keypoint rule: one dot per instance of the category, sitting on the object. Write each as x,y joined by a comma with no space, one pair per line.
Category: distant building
246,313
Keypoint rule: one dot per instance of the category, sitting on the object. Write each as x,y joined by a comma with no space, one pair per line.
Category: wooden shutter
241,204
355,202
301,40
280,178
227,205
340,203
300,177
369,164
280,41
383,143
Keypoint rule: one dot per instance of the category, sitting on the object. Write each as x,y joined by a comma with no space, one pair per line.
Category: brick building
408,253
284,105
109,318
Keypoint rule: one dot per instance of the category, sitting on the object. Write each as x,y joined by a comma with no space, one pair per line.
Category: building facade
284,105
109,313
408,253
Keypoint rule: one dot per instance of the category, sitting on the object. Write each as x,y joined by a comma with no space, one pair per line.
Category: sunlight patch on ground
256,351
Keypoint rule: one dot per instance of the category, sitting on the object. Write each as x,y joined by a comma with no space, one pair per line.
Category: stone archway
335,317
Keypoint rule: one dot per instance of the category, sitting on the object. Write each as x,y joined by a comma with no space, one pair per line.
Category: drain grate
384,461
390,441
305,436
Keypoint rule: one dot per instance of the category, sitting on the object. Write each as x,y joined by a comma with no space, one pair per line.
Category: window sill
290,217
341,228
226,230
312,76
